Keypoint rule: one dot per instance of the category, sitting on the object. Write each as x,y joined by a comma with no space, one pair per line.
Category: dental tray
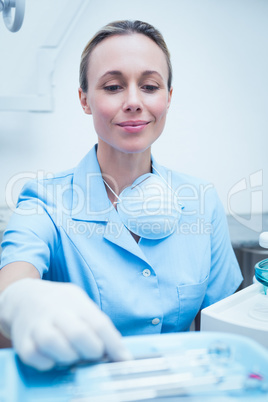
196,366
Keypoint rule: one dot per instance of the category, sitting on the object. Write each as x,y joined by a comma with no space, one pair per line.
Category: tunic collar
90,201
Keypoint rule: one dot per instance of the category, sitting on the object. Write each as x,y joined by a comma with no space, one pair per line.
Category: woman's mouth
133,126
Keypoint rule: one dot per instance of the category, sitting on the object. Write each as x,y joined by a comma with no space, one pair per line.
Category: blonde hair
125,27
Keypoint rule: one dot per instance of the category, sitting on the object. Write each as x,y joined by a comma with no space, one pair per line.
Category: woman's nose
133,101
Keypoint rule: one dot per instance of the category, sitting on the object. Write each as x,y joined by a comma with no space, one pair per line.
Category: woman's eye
112,88
150,88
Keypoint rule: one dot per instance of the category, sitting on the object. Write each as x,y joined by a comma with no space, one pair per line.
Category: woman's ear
83,101
169,96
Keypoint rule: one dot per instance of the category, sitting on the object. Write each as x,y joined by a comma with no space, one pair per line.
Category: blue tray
192,361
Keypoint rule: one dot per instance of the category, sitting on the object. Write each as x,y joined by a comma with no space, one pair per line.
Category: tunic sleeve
225,274
31,234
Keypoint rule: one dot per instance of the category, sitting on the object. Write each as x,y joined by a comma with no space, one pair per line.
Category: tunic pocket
190,300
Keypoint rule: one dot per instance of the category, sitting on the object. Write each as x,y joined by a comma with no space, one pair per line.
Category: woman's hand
54,323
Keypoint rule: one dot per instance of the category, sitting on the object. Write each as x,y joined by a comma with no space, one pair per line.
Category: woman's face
127,93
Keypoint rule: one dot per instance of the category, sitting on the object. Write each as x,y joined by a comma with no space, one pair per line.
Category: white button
155,321
146,272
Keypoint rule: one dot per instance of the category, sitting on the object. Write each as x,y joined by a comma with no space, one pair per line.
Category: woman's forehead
121,52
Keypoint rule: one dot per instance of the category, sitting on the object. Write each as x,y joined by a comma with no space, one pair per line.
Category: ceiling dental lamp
13,13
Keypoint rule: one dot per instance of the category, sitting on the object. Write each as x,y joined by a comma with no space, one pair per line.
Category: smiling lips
133,126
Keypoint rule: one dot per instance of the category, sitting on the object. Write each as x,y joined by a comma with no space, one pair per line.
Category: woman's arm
9,274
15,271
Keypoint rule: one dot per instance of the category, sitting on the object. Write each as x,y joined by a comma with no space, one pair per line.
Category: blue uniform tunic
68,229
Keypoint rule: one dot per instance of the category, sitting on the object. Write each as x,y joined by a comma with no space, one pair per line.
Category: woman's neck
120,169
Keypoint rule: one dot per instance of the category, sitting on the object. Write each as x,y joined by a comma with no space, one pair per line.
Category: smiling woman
143,248
125,96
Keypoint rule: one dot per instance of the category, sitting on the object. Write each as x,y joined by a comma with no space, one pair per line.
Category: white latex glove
53,323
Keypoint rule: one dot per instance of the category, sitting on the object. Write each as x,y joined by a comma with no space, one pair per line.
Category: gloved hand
56,323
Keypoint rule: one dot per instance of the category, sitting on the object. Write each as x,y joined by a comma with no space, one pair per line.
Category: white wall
218,122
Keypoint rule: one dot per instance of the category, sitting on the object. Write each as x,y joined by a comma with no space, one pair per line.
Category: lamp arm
13,23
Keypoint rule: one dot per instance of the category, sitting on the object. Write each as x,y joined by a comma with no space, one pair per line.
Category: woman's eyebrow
112,72
119,73
151,72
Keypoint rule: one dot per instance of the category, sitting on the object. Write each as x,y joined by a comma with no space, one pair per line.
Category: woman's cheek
160,108
105,109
